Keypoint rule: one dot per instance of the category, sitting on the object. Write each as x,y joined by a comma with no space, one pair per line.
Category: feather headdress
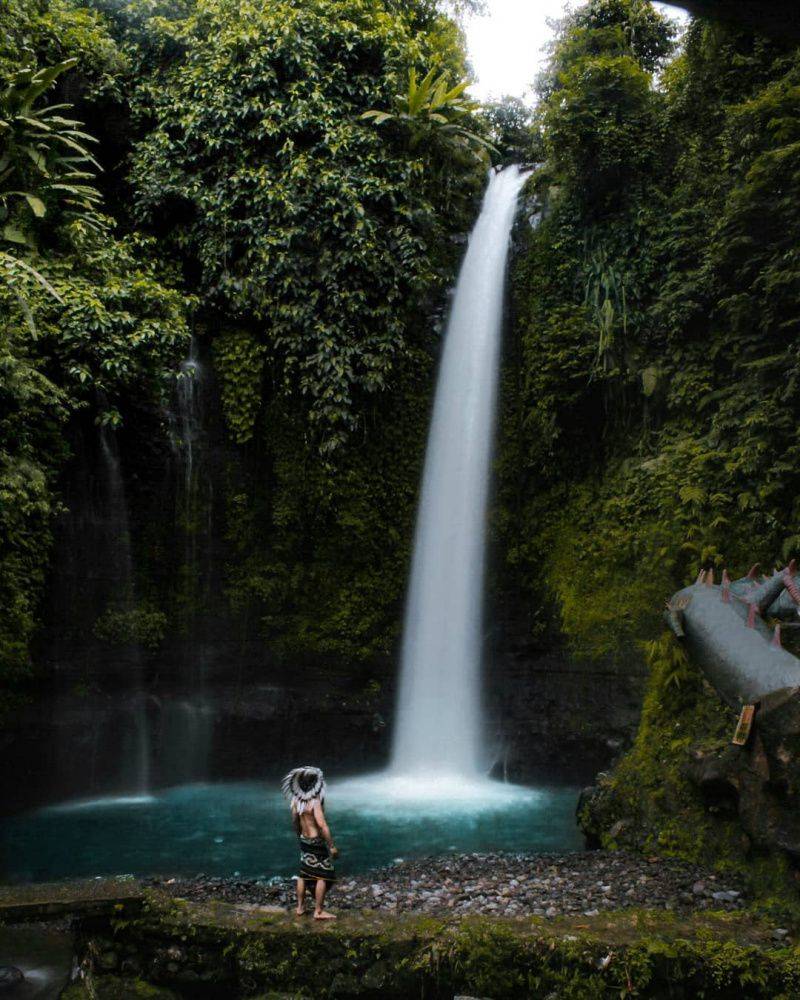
302,785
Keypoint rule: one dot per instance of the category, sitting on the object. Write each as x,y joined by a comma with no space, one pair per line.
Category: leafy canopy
43,166
656,413
300,220
431,110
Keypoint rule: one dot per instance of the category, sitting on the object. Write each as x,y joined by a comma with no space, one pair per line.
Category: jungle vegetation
212,166
291,182
653,394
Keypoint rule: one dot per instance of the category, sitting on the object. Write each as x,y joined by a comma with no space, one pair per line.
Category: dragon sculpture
732,632
724,629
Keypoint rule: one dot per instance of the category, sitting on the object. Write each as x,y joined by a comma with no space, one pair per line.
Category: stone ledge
218,949
46,900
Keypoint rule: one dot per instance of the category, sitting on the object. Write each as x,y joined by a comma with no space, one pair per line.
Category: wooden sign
744,725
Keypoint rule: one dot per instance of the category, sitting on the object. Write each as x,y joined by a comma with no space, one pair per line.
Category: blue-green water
226,829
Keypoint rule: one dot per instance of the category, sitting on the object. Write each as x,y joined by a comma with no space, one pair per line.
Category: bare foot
324,915
299,913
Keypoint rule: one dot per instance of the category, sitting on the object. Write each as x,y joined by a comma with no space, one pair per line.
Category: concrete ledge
214,949
46,900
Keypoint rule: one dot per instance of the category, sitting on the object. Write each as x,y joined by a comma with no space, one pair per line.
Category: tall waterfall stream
435,796
439,752
438,717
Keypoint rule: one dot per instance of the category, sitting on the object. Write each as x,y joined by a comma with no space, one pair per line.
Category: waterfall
438,719
186,717
188,425
135,774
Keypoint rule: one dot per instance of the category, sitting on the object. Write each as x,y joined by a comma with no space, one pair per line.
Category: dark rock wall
197,691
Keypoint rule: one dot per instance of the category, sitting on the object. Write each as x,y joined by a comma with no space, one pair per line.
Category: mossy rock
657,798
371,955
115,988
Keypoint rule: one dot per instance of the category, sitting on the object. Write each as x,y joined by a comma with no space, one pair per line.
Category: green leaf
37,205
14,235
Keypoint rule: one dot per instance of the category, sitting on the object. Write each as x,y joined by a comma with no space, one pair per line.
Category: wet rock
10,978
107,960
513,884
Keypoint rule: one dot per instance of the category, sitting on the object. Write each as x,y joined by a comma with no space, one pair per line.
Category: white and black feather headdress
302,785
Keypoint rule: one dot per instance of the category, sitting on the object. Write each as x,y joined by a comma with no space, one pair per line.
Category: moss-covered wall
217,951
651,406
650,424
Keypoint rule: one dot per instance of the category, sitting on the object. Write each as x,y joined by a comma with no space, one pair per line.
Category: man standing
305,788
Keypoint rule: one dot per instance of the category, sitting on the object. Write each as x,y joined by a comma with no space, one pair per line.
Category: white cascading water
438,719
438,758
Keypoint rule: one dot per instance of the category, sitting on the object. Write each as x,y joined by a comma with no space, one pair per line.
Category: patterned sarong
315,859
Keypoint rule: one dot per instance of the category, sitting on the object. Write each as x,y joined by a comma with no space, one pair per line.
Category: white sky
506,47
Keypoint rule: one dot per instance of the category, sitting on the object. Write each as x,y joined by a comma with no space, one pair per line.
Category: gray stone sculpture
724,629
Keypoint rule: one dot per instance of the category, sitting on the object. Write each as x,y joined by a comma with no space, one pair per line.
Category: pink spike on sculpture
791,587
710,578
701,576
725,632
753,573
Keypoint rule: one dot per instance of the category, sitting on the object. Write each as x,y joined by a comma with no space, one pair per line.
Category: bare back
311,822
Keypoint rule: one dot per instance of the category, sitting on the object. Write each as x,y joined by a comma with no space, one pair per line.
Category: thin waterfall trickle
438,719
187,717
188,429
135,771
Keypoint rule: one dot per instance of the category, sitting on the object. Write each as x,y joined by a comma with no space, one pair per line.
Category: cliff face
173,652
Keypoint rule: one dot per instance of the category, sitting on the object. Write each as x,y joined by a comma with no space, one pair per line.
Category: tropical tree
431,110
44,165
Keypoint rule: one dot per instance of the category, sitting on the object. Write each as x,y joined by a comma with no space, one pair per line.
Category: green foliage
116,988
43,165
319,248
115,325
627,25
239,361
655,421
44,160
653,424
143,625
100,328
601,127
509,123
309,224
431,110
649,803
114,330
633,953
610,584
319,559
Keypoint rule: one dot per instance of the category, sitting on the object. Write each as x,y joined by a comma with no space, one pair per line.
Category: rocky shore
497,884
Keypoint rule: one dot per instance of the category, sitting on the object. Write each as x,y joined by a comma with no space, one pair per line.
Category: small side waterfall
187,426
186,717
135,771
439,713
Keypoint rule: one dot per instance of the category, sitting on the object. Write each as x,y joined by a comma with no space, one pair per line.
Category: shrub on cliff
655,426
